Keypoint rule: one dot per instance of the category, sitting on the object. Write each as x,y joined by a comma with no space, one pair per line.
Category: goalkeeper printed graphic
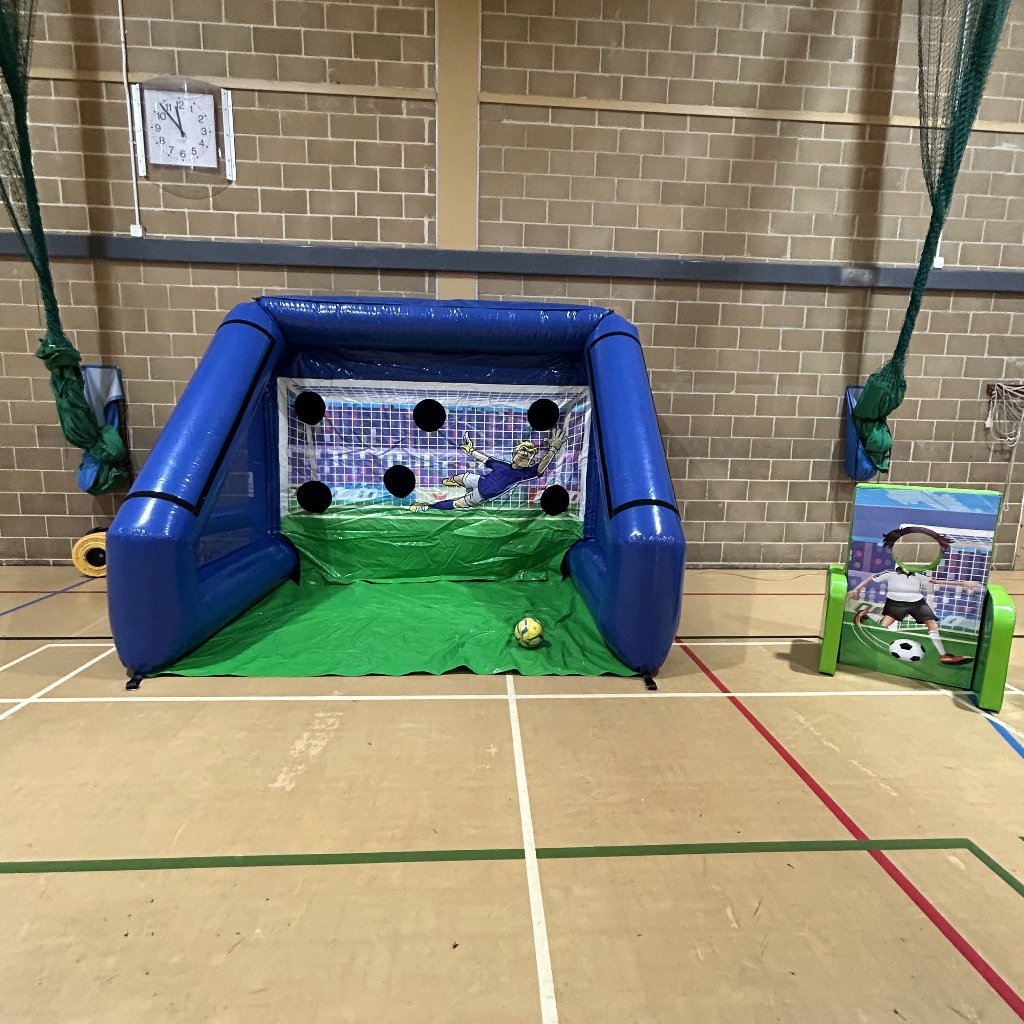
494,477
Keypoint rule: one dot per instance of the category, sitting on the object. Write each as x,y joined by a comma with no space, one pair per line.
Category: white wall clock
183,124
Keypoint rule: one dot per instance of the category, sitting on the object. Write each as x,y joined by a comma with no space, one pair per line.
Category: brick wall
774,55
657,184
313,41
805,55
788,141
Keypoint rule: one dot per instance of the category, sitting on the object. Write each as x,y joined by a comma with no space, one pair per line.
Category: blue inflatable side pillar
630,566
163,601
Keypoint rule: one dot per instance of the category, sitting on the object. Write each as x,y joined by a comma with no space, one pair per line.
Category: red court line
962,946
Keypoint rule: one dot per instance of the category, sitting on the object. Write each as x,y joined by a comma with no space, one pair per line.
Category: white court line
136,698
46,689
967,703
65,643
369,697
45,647
24,657
776,642
987,714
545,978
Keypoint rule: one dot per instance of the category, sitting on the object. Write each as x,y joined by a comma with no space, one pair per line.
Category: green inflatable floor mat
356,629
381,544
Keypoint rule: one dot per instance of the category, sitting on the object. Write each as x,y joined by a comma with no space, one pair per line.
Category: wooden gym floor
752,843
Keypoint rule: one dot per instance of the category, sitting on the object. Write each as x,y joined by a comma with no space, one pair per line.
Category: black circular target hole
429,415
543,414
554,500
310,407
96,557
314,496
400,481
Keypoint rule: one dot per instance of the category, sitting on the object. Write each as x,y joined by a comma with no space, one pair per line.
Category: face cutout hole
400,481
310,407
543,414
314,496
917,552
554,500
429,415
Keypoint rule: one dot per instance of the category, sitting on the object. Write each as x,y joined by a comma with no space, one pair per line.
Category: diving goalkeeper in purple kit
494,477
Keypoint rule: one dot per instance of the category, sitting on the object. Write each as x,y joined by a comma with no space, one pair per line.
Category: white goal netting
369,427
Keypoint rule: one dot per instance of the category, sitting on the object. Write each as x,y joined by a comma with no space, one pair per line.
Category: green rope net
956,40
20,199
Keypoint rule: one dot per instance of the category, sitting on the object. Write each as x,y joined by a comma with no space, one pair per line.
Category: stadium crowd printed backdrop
921,618
434,447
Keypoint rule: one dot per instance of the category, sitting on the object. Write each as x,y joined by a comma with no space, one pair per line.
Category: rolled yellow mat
89,553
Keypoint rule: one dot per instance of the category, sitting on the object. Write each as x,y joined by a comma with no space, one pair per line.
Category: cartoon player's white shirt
903,587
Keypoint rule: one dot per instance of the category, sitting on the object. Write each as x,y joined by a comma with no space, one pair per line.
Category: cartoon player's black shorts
920,611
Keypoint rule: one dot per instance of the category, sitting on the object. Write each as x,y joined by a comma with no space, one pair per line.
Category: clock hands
173,117
195,120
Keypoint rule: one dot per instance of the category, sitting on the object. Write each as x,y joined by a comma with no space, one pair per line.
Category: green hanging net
957,40
21,201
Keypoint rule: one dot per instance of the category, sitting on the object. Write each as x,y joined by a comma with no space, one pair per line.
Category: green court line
257,860
36,867
993,865
784,846
770,846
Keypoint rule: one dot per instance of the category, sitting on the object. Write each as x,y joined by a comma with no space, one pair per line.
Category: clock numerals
181,129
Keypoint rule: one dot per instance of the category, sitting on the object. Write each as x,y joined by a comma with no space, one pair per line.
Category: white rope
133,142
1005,418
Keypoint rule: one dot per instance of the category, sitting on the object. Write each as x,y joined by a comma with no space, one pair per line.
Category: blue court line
45,597
999,728
1008,736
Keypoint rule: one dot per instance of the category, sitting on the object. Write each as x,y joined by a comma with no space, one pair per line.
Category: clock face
181,128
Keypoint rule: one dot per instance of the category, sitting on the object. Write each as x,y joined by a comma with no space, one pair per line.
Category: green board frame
998,619
832,619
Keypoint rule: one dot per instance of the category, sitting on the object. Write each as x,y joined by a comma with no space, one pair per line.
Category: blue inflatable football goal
340,472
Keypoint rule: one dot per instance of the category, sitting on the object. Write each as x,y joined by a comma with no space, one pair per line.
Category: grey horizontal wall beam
331,256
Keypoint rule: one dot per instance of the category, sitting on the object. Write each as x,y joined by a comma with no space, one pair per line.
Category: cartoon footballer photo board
914,599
